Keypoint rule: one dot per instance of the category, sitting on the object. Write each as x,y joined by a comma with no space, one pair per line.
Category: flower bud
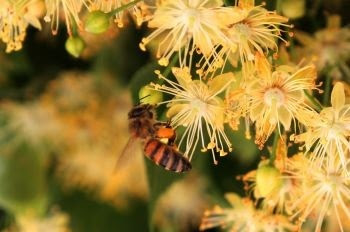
75,45
268,180
97,22
149,95
293,9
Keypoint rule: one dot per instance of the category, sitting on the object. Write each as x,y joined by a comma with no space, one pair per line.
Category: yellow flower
277,97
278,198
257,30
182,205
197,106
329,131
56,221
178,22
70,8
88,120
15,16
328,48
322,188
242,216
32,122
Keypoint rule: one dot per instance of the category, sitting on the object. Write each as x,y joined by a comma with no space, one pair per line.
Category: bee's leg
171,140
163,132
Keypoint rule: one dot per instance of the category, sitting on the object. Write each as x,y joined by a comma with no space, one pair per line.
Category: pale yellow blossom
256,30
328,132
322,188
15,16
277,97
329,48
243,216
191,25
197,107
67,9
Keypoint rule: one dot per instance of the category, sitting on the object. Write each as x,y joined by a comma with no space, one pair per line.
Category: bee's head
143,110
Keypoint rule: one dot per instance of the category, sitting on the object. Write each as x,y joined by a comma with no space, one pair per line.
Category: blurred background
63,123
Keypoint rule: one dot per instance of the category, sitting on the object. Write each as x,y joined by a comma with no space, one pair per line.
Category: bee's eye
136,112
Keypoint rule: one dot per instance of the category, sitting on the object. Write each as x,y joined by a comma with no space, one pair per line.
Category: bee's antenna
143,98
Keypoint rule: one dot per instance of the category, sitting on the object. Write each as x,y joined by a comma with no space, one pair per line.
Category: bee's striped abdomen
151,148
166,156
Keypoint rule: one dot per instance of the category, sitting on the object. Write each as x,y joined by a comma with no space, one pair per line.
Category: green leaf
22,174
159,180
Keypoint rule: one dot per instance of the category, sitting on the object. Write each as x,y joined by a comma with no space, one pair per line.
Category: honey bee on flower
198,107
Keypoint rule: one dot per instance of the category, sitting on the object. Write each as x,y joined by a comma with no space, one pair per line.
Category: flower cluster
17,15
225,66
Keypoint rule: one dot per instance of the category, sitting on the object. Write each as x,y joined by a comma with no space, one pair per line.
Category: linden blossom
71,9
329,130
256,30
321,188
277,97
14,20
243,216
178,22
197,107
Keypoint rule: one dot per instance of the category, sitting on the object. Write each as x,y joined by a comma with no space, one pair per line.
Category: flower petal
183,76
338,96
262,65
285,117
175,109
219,83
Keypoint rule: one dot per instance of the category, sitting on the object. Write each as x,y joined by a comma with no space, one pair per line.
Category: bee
144,126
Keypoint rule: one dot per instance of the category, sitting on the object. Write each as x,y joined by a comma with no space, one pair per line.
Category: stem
274,147
124,7
317,105
75,32
327,90
278,6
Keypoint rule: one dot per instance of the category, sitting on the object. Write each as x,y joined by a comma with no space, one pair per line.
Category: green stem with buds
278,6
124,7
327,90
317,105
274,147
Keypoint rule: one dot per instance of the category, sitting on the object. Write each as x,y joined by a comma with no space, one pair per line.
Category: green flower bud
268,180
293,9
97,22
149,95
75,45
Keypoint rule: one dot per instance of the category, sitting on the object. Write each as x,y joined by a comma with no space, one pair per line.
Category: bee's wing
128,154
